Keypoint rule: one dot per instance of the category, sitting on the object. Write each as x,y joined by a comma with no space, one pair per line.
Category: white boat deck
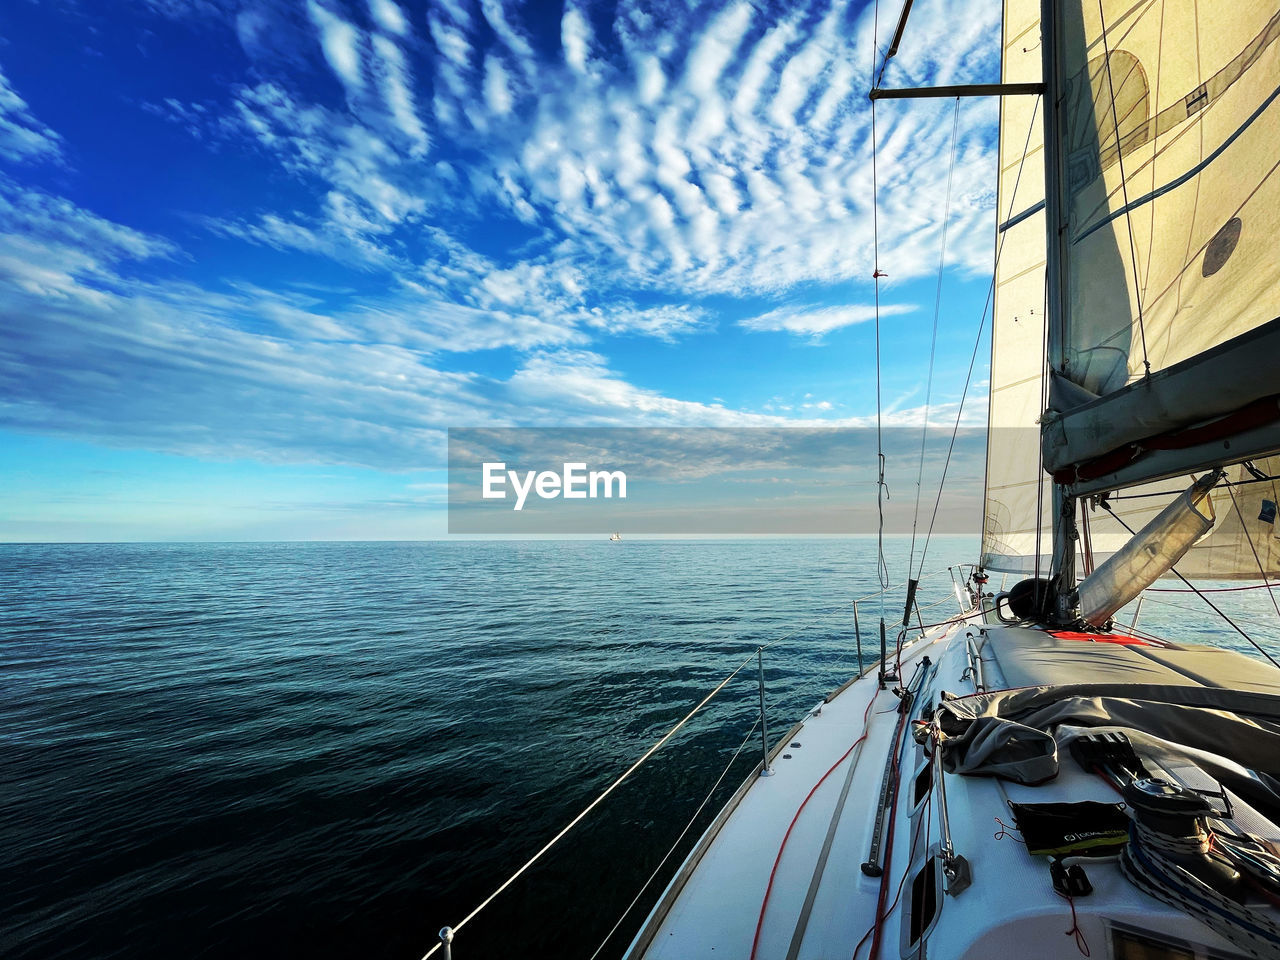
1010,910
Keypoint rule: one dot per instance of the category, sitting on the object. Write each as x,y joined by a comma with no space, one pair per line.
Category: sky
258,256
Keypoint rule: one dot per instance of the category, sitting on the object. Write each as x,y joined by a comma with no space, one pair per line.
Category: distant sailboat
616,536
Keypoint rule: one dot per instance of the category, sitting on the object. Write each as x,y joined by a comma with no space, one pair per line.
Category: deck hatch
922,783
925,905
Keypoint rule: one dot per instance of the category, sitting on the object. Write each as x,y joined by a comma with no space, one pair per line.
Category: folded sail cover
1007,734
1171,195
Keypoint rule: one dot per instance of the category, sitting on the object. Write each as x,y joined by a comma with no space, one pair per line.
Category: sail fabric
1016,529
1244,543
1171,196
1149,555
1016,521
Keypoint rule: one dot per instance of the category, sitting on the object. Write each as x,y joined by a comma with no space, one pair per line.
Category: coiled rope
1148,863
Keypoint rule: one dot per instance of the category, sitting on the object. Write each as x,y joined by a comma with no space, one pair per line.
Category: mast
1062,571
1155,372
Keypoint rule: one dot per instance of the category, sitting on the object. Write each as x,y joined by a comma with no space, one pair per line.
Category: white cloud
449,33
497,90
712,152
579,387
661,164
510,36
51,248
816,321
389,17
721,153
575,37
22,136
339,40
273,375
651,81
716,48
316,142
394,79
662,322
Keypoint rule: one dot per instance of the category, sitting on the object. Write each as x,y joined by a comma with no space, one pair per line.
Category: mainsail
1169,154
1183,315
1167,123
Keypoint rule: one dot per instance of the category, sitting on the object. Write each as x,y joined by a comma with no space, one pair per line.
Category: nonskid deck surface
822,905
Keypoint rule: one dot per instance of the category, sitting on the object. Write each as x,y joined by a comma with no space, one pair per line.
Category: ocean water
335,749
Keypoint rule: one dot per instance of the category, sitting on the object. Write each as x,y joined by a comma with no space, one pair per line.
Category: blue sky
257,256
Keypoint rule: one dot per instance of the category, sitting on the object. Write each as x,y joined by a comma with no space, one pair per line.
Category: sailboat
1027,779
1028,770
615,535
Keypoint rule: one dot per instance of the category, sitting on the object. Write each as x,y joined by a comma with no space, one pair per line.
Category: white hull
822,905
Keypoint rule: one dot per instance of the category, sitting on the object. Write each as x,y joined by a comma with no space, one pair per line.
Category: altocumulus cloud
500,184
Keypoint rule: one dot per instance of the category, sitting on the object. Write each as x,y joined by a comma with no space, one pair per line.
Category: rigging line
1155,145
808,623
1182,606
882,489
1254,550
596,802
1164,493
933,341
1044,403
1124,189
977,342
692,820
1213,606
1252,586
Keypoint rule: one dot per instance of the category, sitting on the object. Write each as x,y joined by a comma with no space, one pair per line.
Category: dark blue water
332,750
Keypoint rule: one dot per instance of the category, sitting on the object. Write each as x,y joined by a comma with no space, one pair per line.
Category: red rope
896,747
1007,831
1081,943
927,821
755,942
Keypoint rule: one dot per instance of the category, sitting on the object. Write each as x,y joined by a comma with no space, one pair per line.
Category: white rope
635,766
933,341
692,820
1148,867
1254,621
595,803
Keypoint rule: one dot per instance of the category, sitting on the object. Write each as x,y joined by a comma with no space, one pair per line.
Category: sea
336,749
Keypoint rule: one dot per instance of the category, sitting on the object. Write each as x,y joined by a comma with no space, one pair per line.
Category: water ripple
332,750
